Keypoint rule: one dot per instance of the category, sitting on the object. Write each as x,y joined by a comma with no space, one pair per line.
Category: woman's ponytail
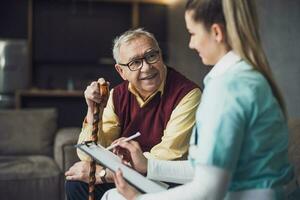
243,37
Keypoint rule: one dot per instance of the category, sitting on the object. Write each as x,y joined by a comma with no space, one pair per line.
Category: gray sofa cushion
27,131
27,167
29,177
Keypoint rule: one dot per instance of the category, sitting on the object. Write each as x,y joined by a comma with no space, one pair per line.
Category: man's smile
149,76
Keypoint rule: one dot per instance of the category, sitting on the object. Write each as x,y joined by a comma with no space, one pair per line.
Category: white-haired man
154,99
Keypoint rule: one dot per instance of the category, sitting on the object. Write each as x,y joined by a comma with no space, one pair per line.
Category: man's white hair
129,36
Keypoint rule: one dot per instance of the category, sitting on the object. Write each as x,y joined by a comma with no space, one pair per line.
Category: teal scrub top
241,128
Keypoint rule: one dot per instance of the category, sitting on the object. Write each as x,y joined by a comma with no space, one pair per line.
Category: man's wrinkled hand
79,172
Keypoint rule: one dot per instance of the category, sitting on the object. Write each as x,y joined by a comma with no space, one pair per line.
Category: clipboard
113,162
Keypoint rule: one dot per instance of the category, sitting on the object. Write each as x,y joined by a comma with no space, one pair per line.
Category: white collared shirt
222,66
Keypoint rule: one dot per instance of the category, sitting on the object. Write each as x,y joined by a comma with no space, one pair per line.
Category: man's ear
218,32
120,70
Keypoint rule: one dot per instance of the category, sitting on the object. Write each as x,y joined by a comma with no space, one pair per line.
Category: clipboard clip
87,143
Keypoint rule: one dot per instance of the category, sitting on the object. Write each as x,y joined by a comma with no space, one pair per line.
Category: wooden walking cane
97,123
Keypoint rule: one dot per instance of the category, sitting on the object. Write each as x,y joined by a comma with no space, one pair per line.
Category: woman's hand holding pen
131,153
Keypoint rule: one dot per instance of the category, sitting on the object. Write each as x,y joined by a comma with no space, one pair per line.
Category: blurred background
51,49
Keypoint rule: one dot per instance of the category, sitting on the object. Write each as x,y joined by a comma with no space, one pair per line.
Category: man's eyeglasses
150,57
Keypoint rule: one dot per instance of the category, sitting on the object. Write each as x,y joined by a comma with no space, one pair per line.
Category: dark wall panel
154,18
75,32
13,19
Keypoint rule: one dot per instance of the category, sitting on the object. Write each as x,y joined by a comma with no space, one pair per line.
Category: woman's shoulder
241,81
242,76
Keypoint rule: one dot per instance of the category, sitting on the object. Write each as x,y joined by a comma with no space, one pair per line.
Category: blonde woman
238,148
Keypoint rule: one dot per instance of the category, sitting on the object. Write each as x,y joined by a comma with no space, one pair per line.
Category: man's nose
146,66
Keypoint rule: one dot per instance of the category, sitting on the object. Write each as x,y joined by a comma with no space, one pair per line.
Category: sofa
34,155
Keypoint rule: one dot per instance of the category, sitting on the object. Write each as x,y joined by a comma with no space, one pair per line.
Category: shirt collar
140,99
222,66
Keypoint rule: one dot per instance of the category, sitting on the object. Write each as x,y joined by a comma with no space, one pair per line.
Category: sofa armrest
64,151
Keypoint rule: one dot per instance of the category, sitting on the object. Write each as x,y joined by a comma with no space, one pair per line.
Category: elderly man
154,99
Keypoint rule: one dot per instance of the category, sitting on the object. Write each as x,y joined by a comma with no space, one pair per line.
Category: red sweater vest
151,120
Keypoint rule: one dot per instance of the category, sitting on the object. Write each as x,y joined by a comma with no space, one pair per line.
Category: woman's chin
206,62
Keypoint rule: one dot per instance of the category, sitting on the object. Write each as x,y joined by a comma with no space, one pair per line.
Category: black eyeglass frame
141,58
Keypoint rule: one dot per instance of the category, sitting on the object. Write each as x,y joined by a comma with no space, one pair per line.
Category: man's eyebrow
139,56
135,57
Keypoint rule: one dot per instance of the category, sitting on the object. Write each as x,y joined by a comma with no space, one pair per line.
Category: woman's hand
131,152
129,192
